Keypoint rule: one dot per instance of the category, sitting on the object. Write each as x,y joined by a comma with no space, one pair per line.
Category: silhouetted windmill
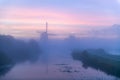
46,34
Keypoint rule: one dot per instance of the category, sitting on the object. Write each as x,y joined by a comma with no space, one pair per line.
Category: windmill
45,34
46,27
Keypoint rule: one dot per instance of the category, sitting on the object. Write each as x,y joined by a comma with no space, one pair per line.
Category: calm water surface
55,66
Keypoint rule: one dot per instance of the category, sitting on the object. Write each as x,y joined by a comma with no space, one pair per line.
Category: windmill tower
46,27
44,35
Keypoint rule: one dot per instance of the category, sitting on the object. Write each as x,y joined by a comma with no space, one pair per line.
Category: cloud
29,14
35,16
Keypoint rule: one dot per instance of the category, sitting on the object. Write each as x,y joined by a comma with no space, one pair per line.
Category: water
55,65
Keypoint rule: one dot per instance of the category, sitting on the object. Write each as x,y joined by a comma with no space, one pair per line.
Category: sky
22,18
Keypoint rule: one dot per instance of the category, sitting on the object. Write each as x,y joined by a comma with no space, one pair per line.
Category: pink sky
18,21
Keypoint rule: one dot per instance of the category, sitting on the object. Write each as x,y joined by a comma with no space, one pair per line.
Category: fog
18,50
15,51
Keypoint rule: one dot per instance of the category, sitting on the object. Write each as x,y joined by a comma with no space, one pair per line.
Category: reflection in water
61,66
100,60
